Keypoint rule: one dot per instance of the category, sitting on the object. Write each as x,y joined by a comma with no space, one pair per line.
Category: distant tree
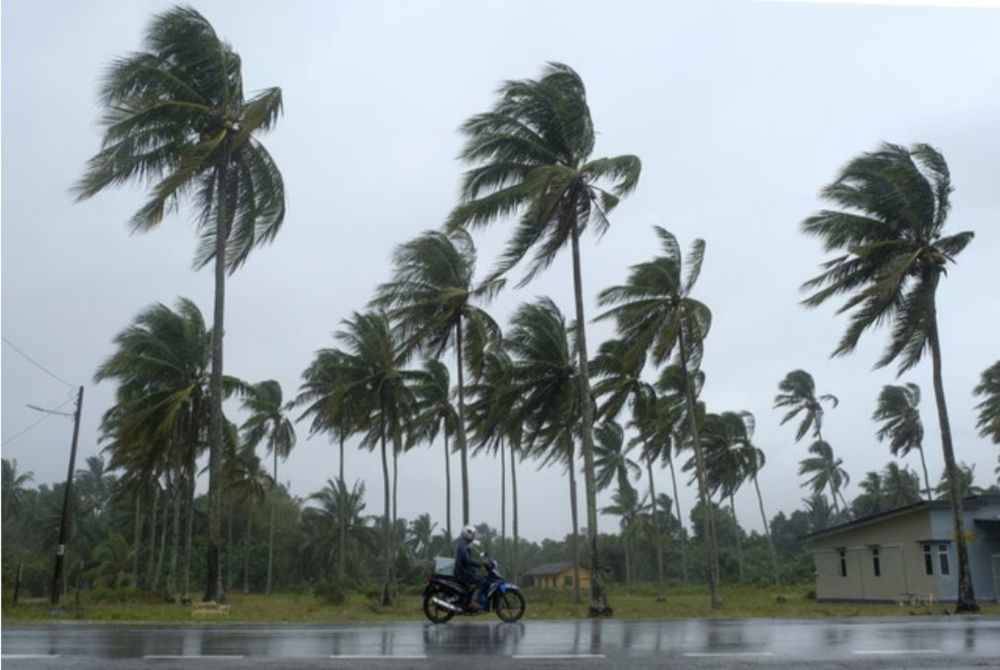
15,485
824,470
889,230
988,389
435,413
898,410
966,483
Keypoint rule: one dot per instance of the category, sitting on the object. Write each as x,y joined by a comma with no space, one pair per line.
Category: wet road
949,642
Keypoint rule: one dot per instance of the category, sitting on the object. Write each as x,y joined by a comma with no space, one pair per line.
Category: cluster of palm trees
178,119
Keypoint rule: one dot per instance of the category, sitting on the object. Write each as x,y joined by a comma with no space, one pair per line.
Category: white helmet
469,533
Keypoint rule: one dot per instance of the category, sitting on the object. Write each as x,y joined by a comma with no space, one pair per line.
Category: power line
18,434
37,364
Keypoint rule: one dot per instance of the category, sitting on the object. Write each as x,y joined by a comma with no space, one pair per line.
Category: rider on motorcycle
467,568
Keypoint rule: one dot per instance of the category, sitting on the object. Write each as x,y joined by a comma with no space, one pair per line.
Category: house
909,553
556,576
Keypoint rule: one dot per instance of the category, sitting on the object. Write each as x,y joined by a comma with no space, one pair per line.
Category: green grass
636,603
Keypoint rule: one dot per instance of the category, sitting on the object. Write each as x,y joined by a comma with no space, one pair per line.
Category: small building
909,553
556,576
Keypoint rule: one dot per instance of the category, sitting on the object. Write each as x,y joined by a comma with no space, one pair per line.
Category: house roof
969,502
550,569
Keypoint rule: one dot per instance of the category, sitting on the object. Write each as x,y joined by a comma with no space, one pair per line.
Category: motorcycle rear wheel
433,612
509,606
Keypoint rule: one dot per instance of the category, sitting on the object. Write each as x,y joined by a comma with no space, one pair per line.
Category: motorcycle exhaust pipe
446,605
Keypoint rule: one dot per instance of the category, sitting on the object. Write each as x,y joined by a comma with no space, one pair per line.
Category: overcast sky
740,112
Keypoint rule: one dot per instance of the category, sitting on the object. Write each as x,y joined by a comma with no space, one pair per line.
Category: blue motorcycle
445,596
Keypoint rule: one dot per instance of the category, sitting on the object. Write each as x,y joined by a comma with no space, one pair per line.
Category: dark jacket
466,567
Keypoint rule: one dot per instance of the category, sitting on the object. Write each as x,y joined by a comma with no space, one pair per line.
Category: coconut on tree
178,119
888,229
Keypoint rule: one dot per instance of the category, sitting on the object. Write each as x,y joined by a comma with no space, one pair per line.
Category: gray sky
740,112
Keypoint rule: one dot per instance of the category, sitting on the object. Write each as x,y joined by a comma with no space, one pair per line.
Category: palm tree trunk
447,482
395,482
246,550
513,492
386,596
576,523
136,538
657,536
230,572
503,498
189,530
175,540
598,595
151,563
966,599
927,480
342,458
158,570
214,590
739,541
270,526
680,520
711,540
460,434
767,532
628,562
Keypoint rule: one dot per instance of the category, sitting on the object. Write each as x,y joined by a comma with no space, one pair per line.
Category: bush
120,596
811,594
330,592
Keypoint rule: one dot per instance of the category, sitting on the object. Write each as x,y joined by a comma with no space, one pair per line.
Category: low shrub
330,592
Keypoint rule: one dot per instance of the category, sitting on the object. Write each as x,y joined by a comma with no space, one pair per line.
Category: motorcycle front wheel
434,612
509,606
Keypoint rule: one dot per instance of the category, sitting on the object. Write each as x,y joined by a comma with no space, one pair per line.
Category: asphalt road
483,644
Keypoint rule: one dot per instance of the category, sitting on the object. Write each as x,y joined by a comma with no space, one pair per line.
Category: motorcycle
445,596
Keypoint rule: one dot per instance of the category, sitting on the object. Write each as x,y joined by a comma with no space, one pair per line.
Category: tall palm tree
723,436
269,423
797,392
177,117
247,485
753,460
546,381
340,523
898,410
625,503
373,370
15,486
612,463
432,300
988,389
655,312
890,231
436,414
825,470
617,374
493,419
532,156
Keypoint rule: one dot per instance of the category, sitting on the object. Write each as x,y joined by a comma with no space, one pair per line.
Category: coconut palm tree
655,312
612,463
420,536
625,504
889,230
988,388
15,486
532,156
178,118
797,392
825,470
436,414
373,370
269,423
493,424
432,301
821,515
546,381
753,460
898,410
247,485
900,486
966,483
339,522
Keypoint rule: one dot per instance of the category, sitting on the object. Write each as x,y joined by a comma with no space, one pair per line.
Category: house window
876,562
928,560
943,558
568,581
843,562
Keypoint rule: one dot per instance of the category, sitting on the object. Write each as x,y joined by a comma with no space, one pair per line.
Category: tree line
178,120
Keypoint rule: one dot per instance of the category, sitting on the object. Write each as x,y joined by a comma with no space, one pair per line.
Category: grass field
638,603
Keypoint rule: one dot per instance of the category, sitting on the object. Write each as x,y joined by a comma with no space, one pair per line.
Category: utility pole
64,521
